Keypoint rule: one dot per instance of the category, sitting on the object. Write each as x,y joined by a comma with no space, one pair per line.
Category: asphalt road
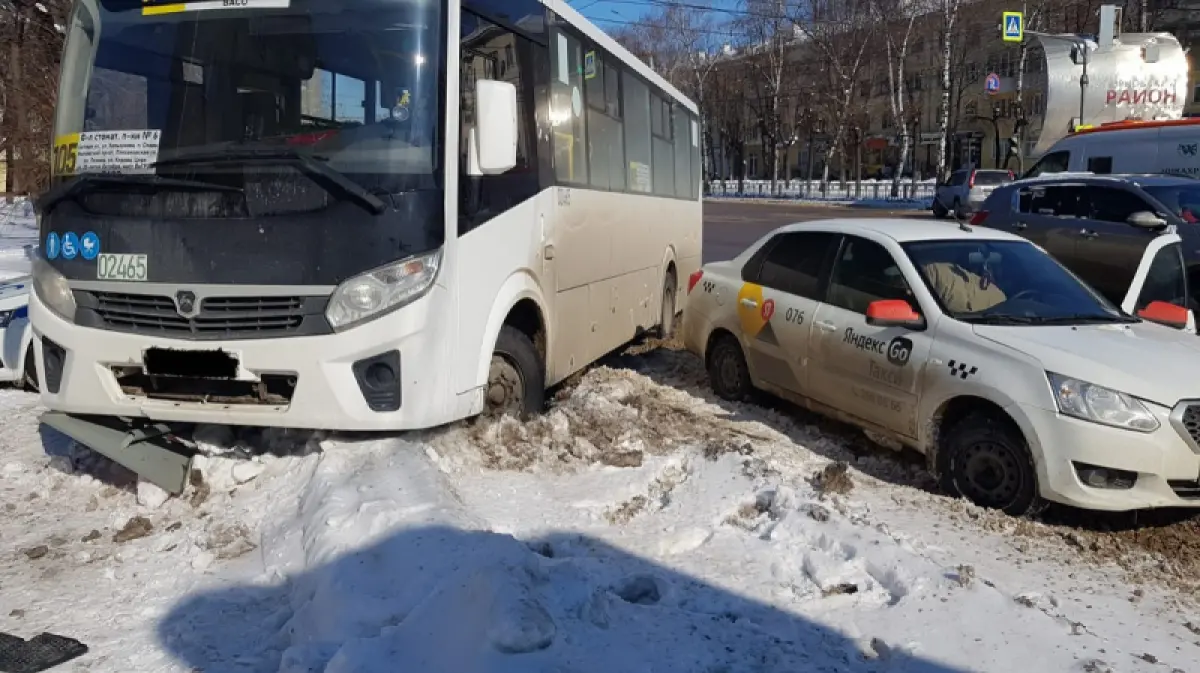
731,226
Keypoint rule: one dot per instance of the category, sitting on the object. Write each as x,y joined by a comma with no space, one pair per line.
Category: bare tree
768,32
729,120
837,32
949,16
896,22
28,83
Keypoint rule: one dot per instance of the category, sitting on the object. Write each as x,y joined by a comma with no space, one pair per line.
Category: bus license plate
121,267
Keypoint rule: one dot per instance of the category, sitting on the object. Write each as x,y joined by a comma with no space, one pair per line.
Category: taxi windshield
1007,282
354,84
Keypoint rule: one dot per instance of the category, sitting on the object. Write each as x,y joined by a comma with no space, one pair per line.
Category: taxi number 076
121,267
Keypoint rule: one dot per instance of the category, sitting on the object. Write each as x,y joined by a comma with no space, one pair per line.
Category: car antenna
962,223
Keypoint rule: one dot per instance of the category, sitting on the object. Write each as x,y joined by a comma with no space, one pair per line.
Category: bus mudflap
151,450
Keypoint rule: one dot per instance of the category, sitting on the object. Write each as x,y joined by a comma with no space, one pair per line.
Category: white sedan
16,357
1018,382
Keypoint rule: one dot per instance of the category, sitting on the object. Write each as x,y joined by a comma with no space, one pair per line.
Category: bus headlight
382,290
52,288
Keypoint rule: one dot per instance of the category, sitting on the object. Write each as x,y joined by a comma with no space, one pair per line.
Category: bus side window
490,51
567,108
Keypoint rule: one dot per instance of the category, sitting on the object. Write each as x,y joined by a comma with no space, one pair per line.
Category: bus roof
628,60
1131,124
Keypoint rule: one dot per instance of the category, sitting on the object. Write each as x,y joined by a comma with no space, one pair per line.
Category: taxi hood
1146,360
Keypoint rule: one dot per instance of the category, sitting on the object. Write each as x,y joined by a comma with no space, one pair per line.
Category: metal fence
866,190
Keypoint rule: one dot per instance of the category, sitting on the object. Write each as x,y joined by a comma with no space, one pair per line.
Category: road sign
1013,26
991,84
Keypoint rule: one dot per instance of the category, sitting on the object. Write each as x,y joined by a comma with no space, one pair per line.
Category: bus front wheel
516,382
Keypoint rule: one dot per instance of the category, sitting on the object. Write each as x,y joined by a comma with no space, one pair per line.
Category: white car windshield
1007,282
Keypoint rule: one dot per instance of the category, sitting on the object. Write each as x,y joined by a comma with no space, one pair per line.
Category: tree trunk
897,175
16,110
950,12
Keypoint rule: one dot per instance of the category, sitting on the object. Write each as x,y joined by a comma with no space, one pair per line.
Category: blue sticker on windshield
70,245
89,245
52,246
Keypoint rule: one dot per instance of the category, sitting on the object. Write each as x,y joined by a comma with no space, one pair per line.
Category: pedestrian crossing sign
1013,26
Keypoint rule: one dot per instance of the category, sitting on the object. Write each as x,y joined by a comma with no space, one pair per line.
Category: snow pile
18,237
635,527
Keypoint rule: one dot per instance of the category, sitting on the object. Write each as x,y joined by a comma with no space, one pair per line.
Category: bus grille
218,318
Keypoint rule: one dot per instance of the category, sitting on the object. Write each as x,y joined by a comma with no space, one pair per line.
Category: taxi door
776,304
869,372
1161,276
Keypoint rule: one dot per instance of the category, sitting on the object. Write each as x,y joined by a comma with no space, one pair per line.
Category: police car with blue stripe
16,357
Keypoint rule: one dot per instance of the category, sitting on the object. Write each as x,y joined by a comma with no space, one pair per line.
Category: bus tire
667,326
516,382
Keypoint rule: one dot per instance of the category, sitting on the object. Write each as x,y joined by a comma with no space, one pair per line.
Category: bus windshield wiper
69,189
328,177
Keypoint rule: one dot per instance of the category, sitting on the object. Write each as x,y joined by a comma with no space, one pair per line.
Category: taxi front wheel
987,461
727,370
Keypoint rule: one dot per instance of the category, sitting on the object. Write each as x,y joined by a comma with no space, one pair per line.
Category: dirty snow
640,525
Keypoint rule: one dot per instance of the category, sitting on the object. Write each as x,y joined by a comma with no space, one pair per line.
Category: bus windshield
354,84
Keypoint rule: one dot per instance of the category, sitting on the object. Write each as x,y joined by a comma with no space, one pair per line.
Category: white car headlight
1090,402
52,288
385,289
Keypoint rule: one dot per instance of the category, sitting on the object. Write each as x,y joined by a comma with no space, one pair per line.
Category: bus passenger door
504,221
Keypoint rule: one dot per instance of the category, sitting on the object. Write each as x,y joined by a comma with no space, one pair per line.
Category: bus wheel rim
506,388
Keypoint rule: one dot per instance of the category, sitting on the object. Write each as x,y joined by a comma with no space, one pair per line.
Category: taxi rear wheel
987,461
727,370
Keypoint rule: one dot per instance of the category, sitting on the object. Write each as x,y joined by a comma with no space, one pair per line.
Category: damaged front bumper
151,450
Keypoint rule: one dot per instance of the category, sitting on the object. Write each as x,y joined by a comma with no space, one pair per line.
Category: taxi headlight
382,290
1090,402
52,288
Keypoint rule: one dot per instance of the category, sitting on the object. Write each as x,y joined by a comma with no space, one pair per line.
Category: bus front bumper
379,376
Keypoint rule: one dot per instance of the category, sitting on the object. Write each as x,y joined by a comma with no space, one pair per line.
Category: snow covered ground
639,526
18,236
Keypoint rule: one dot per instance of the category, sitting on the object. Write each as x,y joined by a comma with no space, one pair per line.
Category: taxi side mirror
1165,314
893,313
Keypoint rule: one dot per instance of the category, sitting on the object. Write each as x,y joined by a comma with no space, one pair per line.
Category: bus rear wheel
516,382
667,319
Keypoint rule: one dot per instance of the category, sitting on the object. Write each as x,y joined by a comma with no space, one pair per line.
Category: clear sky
612,14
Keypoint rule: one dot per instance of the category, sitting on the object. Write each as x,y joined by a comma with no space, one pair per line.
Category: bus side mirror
495,126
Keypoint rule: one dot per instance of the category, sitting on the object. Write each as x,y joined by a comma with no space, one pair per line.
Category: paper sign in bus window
564,65
117,151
